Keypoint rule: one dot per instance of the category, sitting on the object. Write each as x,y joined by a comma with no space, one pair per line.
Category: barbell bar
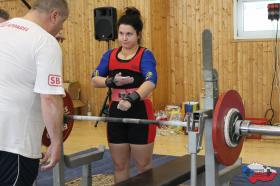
69,119
228,130
128,120
246,129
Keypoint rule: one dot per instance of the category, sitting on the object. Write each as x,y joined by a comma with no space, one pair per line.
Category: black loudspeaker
105,23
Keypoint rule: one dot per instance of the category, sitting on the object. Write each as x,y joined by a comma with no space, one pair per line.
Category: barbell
228,130
229,127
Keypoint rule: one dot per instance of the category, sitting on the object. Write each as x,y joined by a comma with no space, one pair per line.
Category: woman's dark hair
132,17
4,14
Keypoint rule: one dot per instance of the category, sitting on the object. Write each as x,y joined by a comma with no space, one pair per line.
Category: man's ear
54,16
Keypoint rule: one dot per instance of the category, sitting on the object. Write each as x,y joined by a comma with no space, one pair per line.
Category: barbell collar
244,127
127,120
237,127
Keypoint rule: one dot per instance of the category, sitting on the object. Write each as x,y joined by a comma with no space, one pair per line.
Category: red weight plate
68,123
224,154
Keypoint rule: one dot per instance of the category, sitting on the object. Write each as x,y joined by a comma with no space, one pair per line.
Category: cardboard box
73,88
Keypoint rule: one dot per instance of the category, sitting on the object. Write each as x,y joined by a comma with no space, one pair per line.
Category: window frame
238,22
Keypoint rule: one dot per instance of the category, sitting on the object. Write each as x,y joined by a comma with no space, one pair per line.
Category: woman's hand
120,80
124,105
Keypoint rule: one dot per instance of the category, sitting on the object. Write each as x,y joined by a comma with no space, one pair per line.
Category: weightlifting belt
117,94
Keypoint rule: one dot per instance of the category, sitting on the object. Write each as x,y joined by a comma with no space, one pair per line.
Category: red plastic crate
256,121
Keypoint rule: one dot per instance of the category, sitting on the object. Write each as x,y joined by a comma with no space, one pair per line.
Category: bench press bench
171,173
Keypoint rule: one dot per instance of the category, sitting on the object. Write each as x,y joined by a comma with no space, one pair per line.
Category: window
251,19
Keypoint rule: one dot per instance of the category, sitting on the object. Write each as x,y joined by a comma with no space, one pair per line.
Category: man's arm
52,111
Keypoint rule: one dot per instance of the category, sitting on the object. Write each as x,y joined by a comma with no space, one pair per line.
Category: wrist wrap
109,82
133,97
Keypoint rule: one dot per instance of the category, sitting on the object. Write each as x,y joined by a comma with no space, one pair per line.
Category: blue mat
105,166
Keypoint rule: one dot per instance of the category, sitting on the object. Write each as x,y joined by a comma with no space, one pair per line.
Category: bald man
31,91
4,15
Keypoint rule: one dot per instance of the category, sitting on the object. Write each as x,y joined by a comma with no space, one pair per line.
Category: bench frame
84,159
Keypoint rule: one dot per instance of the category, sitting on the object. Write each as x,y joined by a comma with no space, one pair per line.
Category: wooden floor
84,135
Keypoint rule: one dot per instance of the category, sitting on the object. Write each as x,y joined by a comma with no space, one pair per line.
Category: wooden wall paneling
204,19
242,69
68,46
191,22
79,55
259,76
91,104
239,68
235,69
159,48
277,100
246,76
188,50
222,65
197,39
171,33
264,79
252,74
172,30
186,60
79,39
256,86
14,7
85,68
145,7
277,91
178,63
193,39
219,42
91,94
233,55
185,47
226,47
253,79
269,71
192,65
197,64
74,57
269,68
268,77
179,59
251,83
215,40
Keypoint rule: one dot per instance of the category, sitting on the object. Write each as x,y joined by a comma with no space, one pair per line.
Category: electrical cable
26,4
273,80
